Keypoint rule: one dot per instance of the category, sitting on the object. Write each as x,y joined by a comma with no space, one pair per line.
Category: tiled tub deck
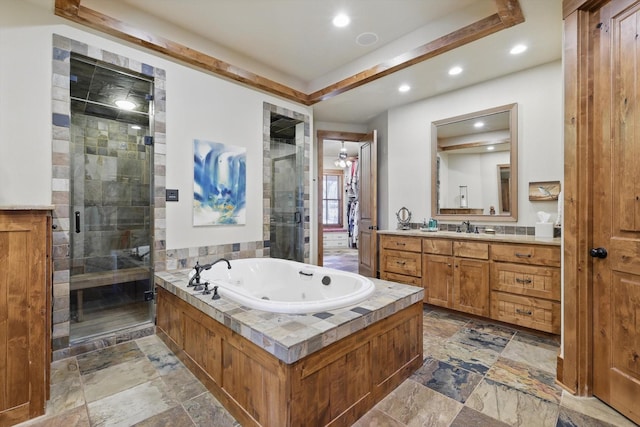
283,369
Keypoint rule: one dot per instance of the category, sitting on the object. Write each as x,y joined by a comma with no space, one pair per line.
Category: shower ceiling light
125,105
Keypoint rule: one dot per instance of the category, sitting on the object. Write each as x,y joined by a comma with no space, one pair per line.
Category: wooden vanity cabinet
525,285
459,280
471,277
437,264
401,259
512,282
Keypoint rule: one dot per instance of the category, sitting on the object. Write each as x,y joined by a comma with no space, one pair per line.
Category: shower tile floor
475,373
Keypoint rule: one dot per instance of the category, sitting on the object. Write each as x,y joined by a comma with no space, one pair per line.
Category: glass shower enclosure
287,188
111,204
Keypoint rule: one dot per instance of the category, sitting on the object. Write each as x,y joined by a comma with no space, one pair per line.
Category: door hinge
148,140
149,296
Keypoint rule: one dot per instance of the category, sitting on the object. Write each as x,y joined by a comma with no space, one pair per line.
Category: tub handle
305,274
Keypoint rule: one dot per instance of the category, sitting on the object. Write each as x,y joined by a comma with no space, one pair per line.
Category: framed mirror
474,170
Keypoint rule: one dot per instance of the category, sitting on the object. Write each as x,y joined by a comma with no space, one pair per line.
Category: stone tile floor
475,373
344,259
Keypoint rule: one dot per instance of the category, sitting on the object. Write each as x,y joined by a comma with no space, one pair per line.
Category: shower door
287,197
111,215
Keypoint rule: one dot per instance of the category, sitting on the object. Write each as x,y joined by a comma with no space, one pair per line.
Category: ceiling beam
508,14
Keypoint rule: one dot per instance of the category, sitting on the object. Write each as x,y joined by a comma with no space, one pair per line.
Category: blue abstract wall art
219,183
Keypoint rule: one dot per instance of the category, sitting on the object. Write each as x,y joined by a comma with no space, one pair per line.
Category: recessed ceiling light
454,71
125,105
341,20
478,125
517,49
404,88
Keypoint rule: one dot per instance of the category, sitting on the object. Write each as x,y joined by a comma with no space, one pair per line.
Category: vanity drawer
535,313
526,254
401,243
400,262
477,250
437,246
535,281
401,278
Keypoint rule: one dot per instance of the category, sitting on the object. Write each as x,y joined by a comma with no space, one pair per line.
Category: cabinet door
437,279
471,286
24,338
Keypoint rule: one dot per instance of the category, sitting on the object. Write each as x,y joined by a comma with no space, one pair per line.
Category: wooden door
24,314
616,208
471,286
437,279
368,207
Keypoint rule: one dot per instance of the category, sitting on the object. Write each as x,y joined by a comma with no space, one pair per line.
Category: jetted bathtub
283,286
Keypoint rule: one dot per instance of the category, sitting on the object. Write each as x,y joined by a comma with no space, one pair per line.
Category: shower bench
101,278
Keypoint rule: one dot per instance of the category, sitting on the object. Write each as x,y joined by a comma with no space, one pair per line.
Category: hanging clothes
352,207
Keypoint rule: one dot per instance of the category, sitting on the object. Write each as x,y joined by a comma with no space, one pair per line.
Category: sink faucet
468,226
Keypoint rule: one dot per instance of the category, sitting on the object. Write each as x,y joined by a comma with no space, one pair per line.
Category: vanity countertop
502,238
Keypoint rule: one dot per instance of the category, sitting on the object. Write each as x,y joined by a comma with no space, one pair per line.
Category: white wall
538,92
198,105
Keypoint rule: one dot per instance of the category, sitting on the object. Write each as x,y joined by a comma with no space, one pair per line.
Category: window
332,199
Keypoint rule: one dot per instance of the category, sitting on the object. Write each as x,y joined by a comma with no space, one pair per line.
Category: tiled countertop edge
269,331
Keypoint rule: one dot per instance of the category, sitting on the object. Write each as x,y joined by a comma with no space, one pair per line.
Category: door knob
598,252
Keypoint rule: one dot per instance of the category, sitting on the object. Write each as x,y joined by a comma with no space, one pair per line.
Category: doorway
110,198
601,292
339,186
357,248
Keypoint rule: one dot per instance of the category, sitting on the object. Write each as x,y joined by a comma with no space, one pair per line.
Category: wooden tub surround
272,369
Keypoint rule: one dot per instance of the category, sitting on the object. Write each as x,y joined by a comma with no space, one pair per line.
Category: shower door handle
77,221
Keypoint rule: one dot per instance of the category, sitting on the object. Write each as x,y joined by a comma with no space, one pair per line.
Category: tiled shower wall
163,259
110,188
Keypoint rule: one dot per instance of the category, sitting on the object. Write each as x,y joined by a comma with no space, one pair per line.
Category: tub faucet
195,279
208,266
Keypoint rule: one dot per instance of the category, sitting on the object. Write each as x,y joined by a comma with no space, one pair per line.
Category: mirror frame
513,184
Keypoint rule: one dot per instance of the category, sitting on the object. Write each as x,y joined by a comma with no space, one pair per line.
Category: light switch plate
171,195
